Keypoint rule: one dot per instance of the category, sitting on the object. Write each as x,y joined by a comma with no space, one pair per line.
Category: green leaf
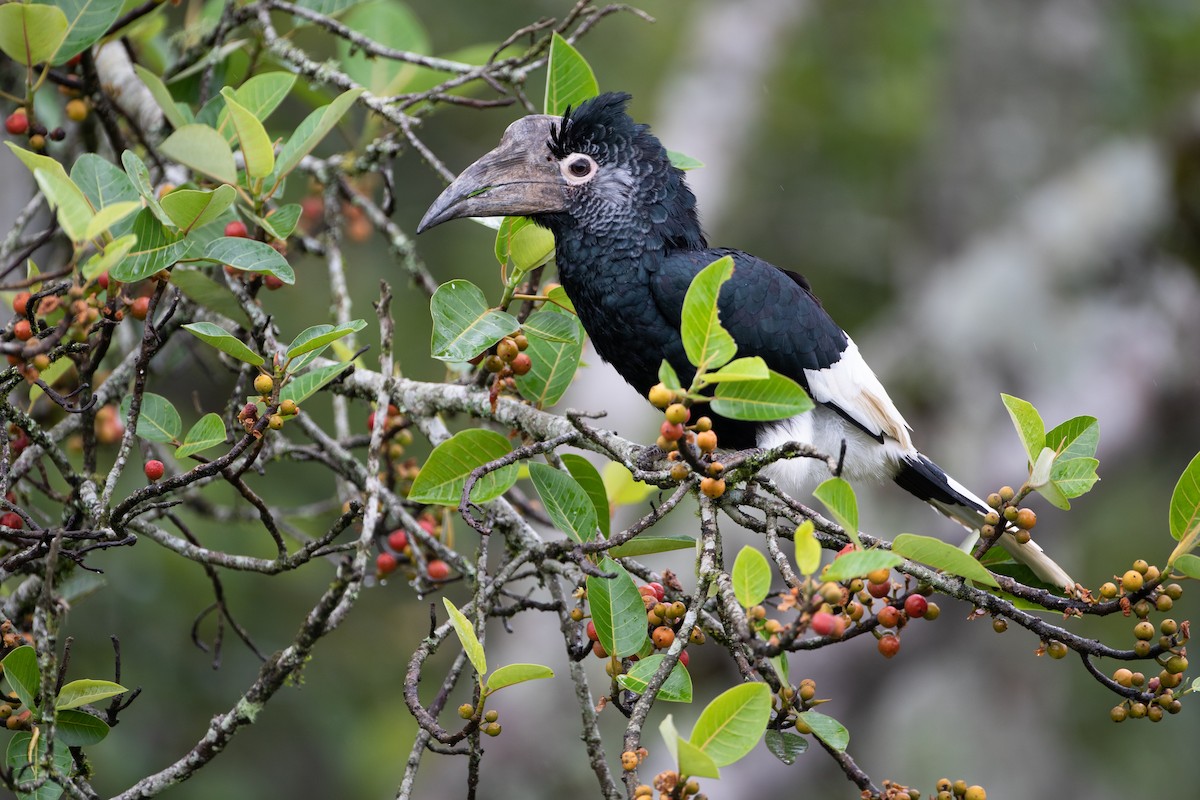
558,296
112,254
705,340
618,611
554,363
622,489
31,34
309,133
139,178
259,95
20,765
827,729
201,148
156,249
778,397
1074,476
109,216
683,162
1039,474
569,78
589,478
78,729
281,223
224,341
1189,565
320,335
68,200
940,555
22,673
511,674
158,420
751,576
524,244
466,635
82,692
193,208
102,182
463,324
304,386
162,96
785,745
838,496
87,22
444,474
752,368
858,563
730,726
552,326
677,688
668,377
1028,423
208,293
257,151
1184,514
208,432
808,549
565,501
391,24
249,255
694,762
670,736
1078,437
645,545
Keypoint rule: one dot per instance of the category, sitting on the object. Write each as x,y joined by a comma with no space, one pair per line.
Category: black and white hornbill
628,243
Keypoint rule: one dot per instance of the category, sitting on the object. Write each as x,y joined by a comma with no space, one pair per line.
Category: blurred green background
990,197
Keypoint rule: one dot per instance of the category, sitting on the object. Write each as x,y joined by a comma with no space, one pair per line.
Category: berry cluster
669,788
10,639
506,361
1004,505
947,790
487,719
397,436
689,447
663,622
396,550
20,122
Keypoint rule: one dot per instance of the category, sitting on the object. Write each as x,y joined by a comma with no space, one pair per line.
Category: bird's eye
578,168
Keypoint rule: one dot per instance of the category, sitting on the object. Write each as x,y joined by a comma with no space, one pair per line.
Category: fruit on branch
712,487
20,303
915,606
154,469
22,330
437,569
385,564
889,645
663,637
264,385
237,229
677,413
398,540
17,123
140,308
521,364
660,396
77,110
889,616
11,519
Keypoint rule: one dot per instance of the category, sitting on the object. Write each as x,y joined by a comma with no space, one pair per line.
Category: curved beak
518,178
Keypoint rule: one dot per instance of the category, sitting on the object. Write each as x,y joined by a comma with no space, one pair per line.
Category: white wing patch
852,387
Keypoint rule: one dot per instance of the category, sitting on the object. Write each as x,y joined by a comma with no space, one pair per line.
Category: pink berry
823,623
915,606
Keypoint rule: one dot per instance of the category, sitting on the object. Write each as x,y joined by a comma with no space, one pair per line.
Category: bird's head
592,170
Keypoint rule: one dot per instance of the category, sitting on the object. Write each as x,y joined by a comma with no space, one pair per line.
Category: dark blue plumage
628,243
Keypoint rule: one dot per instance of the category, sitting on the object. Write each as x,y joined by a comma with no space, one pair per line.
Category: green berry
1132,580
1056,649
677,413
1118,714
491,716
1108,590
466,710
1144,630
263,384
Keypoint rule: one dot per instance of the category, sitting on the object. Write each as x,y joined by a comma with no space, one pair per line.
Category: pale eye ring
578,168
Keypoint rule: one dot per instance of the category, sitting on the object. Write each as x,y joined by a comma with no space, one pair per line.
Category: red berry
823,623
154,469
437,569
22,330
684,658
659,591
385,564
398,540
21,303
915,606
237,228
428,525
140,308
102,280
591,631
672,432
273,282
889,616
889,645
12,520
879,590
521,364
849,548
17,123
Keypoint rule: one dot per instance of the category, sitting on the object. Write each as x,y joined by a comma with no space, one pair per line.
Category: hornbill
628,243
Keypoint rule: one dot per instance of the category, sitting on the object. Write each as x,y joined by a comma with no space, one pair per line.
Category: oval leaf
82,692
622,489
157,248
857,563
463,324
837,495
71,206
320,335
569,78
1184,514
551,326
201,148
694,762
224,341
466,635
554,364
309,133
677,688
940,555
618,611
208,432
705,340
1029,425
444,474
808,549
249,255
778,397
730,726
21,671
589,478
752,368
158,421
565,501
192,208
1188,564
827,729
647,545
257,151
785,745
516,673
302,387
751,576
31,34
87,22
78,729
